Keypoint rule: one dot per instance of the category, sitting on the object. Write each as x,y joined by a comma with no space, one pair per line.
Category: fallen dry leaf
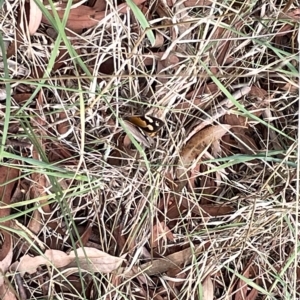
174,260
85,236
21,98
59,153
157,297
193,3
210,89
79,17
35,17
99,5
244,291
197,144
84,17
205,210
258,92
38,189
90,259
286,30
159,40
160,232
290,87
227,43
6,254
99,261
8,177
216,113
170,60
64,126
178,274
294,14
242,133
6,292
208,289
211,210
108,66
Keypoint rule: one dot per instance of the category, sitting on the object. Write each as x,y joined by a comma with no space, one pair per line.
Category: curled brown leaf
197,144
90,259
84,17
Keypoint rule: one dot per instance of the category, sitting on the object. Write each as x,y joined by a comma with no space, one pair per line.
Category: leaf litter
98,261
178,219
8,180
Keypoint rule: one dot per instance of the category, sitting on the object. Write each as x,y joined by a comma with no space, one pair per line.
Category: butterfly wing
139,134
148,123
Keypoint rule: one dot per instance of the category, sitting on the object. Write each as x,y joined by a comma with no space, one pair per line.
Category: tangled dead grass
210,211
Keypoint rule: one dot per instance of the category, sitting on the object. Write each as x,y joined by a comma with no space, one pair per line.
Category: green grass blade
142,20
8,98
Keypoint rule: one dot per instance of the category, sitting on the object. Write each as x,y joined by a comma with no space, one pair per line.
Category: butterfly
143,128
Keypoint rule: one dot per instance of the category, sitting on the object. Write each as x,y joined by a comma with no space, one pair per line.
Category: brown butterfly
143,128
